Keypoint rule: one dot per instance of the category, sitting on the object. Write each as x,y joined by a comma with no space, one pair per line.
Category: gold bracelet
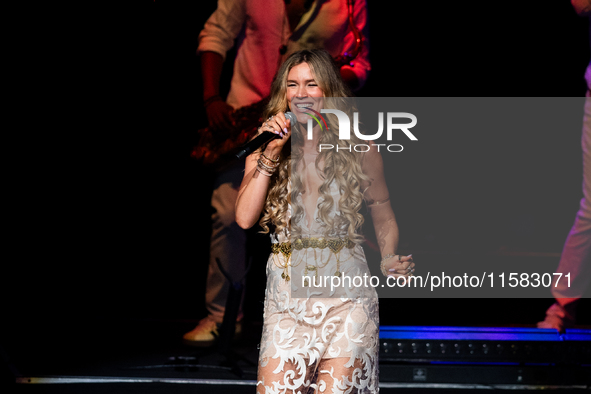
266,167
268,161
268,158
263,172
268,164
386,257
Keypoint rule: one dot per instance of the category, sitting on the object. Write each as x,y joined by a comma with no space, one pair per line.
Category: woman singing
318,336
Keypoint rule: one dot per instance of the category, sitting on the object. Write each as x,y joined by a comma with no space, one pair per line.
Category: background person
576,254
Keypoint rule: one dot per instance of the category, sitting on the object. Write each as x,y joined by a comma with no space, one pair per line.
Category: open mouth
305,108
304,105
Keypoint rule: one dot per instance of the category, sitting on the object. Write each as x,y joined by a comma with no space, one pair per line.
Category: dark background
116,223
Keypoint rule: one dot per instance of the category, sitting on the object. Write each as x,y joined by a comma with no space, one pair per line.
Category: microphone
262,139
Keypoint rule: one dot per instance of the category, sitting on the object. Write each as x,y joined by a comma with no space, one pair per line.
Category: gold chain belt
334,244
285,248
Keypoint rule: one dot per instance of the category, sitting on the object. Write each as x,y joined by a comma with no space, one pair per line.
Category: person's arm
384,220
356,75
218,111
582,7
216,38
253,190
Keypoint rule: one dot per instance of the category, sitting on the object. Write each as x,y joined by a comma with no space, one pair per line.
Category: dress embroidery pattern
315,340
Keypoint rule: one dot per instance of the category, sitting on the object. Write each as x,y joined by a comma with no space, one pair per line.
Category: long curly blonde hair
342,167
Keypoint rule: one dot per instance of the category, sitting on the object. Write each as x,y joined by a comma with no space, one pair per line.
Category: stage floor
148,356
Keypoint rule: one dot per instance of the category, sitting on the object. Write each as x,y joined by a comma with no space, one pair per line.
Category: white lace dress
318,339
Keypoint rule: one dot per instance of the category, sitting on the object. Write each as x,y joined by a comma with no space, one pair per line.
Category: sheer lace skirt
324,345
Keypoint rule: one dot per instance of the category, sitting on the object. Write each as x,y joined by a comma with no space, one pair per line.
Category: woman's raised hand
280,125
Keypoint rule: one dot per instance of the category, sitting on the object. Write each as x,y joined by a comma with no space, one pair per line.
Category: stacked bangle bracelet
266,165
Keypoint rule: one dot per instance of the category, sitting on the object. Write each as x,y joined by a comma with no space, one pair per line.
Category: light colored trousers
576,254
228,243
